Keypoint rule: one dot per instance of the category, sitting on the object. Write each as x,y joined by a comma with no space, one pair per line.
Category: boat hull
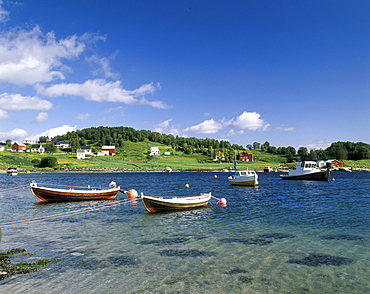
62,195
155,204
252,182
318,176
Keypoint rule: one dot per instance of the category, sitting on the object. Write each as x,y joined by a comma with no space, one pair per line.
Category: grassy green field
134,157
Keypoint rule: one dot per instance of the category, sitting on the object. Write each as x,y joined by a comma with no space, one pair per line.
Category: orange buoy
222,202
132,193
215,176
332,179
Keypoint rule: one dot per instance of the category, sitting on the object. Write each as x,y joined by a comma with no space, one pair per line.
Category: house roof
108,147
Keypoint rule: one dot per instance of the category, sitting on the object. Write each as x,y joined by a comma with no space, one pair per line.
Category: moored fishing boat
45,194
244,178
306,170
163,203
12,171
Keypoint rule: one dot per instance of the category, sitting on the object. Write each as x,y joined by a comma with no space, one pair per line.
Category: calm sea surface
281,237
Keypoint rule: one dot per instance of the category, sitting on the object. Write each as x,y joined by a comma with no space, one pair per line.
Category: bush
35,162
48,162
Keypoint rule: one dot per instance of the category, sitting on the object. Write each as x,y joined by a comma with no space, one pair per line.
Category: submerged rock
236,270
165,241
9,268
314,259
123,260
245,280
277,236
185,253
342,237
252,241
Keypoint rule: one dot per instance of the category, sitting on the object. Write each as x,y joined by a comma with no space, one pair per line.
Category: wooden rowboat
45,194
162,203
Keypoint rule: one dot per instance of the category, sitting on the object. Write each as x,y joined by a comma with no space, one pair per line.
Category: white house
86,149
80,154
2,148
62,145
37,149
29,141
102,153
154,151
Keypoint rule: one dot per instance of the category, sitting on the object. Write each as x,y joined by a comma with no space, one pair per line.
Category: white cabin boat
306,170
244,178
12,171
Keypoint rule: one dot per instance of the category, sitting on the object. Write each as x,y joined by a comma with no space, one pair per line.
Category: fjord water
280,237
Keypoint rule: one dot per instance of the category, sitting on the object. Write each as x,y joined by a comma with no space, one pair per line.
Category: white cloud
41,117
286,129
114,109
319,144
28,56
14,135
17,102
163,126
246,121
100,90
51,133
84,116
207,127
104,68
4,114
4,15
250,121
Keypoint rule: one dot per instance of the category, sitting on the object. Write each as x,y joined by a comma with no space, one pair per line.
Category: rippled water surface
281,237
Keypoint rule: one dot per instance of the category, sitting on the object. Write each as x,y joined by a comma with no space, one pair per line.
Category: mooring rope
215,197
14,188
63,214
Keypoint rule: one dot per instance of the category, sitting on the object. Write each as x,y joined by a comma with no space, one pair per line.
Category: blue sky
293,73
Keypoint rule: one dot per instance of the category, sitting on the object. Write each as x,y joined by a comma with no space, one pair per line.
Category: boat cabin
304,167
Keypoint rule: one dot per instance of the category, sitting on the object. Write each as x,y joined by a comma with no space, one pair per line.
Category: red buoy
222,202
132,193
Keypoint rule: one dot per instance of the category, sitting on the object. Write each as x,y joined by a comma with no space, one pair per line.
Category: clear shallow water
282,237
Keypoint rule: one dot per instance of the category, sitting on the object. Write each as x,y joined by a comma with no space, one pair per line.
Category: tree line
338,150
100,136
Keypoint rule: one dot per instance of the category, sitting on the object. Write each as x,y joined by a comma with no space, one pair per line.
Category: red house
18,147
109,149
246,156
334,163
